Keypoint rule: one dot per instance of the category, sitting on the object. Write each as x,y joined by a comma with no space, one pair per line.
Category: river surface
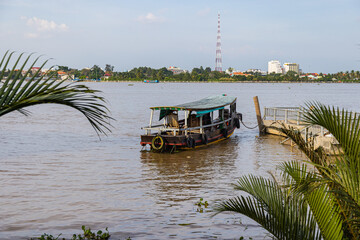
56,175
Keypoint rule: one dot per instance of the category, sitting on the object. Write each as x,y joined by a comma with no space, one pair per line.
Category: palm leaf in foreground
322,203
339,176
343,174
17,93
330,187
282,215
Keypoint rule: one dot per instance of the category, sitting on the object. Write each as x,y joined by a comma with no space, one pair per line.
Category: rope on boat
247,126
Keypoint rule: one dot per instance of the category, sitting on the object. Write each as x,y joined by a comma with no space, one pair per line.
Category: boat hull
191,141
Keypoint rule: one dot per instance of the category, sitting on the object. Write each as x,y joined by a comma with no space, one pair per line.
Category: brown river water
56,175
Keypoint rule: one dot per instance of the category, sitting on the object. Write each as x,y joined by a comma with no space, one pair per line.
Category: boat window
216,114
181,118
206,119
193,121
156,117
226,113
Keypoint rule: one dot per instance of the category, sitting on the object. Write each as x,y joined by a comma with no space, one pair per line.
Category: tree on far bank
160,75
291,76
96,72
109,68
63,68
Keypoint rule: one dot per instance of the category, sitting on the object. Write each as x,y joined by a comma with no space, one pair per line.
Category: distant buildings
291,67
233,72
34,69
238,73
256,71
274,66
176,70
313,76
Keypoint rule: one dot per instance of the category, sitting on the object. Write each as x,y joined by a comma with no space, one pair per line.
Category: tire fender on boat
237,122
190,141
205,138
158,143
224,132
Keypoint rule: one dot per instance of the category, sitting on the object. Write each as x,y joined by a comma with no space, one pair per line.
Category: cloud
150,18
203,12
43,25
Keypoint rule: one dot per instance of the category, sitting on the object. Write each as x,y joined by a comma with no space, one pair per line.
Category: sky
320,35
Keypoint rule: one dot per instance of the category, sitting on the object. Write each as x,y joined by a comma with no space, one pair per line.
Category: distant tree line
200,74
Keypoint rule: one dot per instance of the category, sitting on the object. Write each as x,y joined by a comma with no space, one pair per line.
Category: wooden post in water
258,116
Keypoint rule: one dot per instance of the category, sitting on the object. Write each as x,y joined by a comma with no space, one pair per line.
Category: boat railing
162,128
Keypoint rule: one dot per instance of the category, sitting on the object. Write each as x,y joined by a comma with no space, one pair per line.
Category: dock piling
258,115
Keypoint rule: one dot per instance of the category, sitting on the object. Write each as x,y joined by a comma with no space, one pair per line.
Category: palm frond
328,195
340,174
343,124
321,201
317,156
17,93
284,216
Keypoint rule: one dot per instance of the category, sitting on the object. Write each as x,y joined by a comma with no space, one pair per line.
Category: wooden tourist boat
204,122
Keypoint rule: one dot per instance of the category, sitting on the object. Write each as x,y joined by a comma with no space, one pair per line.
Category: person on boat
172,120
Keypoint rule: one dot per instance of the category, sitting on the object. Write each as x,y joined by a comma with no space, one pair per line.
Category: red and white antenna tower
218,60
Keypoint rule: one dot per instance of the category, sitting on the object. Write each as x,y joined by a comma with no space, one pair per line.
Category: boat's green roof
202,104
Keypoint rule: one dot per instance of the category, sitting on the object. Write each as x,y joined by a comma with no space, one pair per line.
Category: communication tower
218,60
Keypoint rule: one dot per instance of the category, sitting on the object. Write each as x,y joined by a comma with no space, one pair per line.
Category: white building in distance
258,71
176,70
274,66
291,67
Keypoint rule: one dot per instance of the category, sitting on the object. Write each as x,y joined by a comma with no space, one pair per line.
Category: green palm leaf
344,125
341,174
323,193
321,201
344,173
283,215
17,93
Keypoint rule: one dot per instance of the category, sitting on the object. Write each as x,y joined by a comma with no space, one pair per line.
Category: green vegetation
87,235
18,92
201,205
315,199
196,75
202,75
206,75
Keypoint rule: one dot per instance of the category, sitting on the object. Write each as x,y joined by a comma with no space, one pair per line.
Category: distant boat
151,81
